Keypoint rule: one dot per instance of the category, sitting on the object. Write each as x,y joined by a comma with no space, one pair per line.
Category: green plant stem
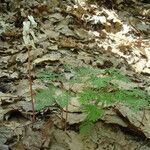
30,85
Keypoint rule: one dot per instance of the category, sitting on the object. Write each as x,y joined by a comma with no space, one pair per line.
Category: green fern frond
100,82
50,76
98,90
64,98
85,127
135,104
87,96
44,98
93,112
116,74
86,71
107,97
133,99
138,93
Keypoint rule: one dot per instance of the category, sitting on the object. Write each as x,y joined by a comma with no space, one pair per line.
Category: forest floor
75,34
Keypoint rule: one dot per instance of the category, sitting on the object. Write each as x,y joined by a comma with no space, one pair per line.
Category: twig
143,116
66,118
30,85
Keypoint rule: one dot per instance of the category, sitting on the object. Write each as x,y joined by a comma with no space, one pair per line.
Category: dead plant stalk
30,83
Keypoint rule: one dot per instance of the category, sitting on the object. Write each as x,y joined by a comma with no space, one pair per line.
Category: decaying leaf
47,58
76,34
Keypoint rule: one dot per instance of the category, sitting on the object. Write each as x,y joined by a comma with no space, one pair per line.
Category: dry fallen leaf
47,58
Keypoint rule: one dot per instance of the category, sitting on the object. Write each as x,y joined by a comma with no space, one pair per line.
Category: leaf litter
78,34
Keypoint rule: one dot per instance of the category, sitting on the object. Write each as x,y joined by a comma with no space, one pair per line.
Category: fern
115,74
135,99
107,98
83,74
93,112
85,127
86,71
50,76
100,82
88,96
63,99
44,98
99,89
